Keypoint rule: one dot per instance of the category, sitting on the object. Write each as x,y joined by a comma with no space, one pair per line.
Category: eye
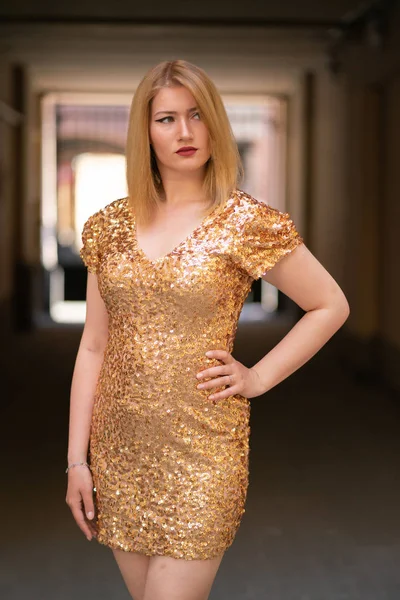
163,119
197,113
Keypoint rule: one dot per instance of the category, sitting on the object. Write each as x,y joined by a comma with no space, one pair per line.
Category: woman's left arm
301,277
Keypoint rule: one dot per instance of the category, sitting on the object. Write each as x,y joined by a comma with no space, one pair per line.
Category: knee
137,595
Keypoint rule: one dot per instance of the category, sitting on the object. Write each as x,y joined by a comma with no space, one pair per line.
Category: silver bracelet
77,465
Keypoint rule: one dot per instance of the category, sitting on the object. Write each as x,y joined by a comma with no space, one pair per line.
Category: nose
185,130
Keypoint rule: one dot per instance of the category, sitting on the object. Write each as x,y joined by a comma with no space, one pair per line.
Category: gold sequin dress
170,466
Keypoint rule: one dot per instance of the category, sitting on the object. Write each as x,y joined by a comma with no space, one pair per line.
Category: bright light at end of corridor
99,179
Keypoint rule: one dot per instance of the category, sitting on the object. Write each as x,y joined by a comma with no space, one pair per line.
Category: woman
155,387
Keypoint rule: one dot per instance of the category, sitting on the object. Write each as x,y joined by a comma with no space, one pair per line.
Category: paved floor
322,517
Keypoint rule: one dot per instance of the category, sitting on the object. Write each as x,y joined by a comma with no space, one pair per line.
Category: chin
188,165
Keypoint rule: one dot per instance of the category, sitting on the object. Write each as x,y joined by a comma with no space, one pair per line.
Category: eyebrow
173,112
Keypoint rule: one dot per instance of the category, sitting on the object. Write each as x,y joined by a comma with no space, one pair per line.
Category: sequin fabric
170,466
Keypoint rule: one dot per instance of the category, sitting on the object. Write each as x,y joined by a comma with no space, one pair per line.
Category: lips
187,151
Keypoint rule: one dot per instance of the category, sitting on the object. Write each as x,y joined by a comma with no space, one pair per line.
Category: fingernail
88,538
90,515
200,386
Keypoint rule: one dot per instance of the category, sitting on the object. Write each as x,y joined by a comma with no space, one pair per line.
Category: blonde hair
224,168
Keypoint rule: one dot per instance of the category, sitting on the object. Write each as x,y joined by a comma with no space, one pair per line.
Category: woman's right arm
84,380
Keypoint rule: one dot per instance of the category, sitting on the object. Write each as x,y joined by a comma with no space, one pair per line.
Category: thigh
179,579
133,567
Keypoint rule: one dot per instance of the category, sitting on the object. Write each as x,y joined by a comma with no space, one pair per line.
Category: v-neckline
202,224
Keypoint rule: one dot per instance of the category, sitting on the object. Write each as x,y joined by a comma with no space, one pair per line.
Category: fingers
224,380
225,371
221,355
87,497
93,528
83,511
214,371
88,504
219,382
79,517
230,391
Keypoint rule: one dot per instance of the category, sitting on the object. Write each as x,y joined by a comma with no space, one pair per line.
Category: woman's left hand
239,378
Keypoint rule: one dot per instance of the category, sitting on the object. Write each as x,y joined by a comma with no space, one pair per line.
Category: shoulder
259,223
262,235
110,214
250,211
99,229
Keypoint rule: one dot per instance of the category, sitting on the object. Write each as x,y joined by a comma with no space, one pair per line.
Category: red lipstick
186,151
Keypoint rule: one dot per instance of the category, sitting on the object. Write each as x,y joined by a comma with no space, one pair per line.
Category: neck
182,189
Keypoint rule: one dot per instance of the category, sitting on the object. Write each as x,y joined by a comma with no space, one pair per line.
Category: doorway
83,170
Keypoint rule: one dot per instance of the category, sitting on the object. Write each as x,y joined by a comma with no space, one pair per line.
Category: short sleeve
265,235
89,251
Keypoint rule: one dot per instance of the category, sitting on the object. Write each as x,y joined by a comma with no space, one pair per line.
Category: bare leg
133,567
179,579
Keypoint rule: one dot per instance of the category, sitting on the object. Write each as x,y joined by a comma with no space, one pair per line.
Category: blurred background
312,90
